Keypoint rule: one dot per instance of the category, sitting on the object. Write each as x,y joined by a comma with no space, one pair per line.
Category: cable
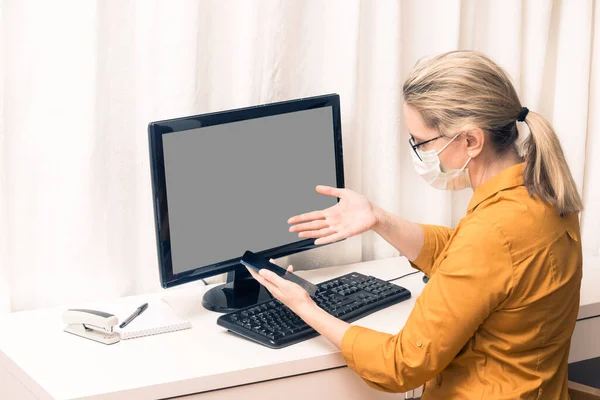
590,317
400,277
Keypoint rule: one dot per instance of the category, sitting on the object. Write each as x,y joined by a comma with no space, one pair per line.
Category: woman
495,319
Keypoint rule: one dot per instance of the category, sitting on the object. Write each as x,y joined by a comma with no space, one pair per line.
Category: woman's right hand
352,215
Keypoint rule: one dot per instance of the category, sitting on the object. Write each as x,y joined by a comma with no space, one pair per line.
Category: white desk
39,361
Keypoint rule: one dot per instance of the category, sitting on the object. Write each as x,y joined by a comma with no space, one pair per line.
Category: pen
137,312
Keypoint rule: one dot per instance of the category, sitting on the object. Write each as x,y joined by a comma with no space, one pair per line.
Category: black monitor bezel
159,197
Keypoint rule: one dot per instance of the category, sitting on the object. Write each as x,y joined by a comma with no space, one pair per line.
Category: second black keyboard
348,297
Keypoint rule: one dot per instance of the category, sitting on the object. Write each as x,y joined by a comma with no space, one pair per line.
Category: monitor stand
241,290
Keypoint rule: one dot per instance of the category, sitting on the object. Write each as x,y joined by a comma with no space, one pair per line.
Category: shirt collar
506,179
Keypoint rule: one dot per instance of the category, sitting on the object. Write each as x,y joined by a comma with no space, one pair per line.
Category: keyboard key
301,326
346,309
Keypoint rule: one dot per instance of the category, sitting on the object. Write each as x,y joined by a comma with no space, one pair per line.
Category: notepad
158,318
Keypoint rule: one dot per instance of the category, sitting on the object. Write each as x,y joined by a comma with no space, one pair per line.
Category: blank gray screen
232,187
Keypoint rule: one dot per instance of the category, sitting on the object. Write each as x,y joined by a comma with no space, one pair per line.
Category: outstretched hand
351,216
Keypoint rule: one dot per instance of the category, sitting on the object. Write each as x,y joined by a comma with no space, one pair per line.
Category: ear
475,141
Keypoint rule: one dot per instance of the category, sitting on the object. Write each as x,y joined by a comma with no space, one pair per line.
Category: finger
317,234
256,276
268,285
329,191
329,239
253,273
273,278
275,291
311,216
280,285
290,268
309,226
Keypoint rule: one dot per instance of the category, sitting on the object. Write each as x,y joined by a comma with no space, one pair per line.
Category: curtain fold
81,80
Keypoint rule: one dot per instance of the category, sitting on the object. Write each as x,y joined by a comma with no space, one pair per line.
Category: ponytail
547,175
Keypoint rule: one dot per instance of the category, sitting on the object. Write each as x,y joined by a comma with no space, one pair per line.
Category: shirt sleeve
473,279
435,239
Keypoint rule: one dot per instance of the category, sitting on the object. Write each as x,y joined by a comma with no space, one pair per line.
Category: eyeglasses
414,145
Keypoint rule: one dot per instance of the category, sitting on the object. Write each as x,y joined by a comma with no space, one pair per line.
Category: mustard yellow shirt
496,318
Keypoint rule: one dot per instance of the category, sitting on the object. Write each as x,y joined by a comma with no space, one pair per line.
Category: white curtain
81,79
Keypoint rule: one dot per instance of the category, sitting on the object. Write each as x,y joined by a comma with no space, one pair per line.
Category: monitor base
241,290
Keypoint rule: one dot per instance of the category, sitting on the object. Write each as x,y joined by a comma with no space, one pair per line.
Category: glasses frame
415,146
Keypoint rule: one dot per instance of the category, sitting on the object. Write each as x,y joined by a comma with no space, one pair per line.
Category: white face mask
430,169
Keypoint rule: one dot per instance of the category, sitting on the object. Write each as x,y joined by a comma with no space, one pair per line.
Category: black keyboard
348,297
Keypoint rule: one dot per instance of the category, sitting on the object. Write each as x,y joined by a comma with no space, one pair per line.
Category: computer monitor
227,182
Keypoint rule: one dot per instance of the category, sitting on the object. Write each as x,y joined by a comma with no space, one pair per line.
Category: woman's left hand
298,300
289,293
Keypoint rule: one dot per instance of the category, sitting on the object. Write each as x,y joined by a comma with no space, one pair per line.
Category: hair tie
523,114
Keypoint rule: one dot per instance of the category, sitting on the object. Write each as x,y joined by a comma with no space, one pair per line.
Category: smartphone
256,262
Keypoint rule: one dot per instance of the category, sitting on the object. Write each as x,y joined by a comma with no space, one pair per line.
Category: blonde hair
462,88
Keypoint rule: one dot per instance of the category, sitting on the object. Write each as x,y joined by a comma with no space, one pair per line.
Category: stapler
92,324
